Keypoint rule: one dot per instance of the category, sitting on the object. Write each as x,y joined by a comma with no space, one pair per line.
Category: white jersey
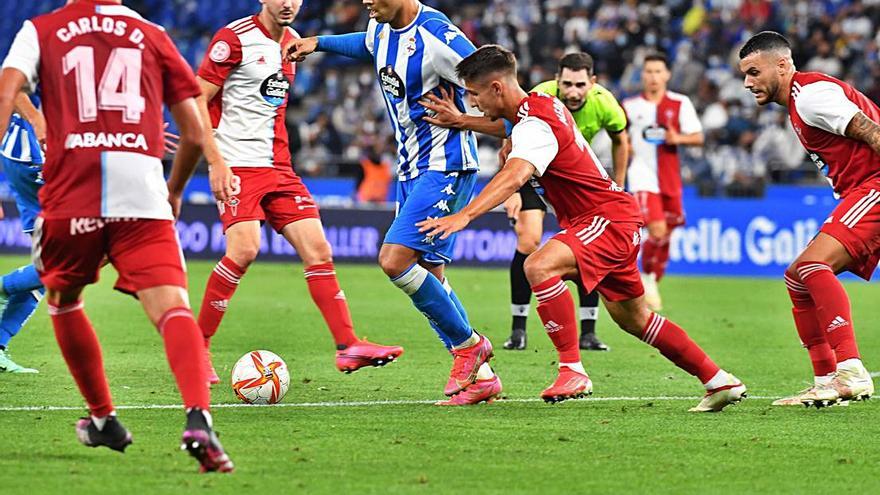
249,111
411,62
655,166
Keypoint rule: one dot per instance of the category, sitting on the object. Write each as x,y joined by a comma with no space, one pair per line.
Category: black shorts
531,200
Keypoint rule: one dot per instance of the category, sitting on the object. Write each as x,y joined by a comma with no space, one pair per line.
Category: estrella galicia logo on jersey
275,89
654,134
391,82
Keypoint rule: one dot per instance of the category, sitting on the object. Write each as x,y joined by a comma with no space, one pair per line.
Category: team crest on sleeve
220,52
275,89
392,84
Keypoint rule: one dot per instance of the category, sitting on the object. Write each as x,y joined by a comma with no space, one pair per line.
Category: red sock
330,300
186,355
82,352
677,347
661,258
649,251
807,324
832,308
221,286
556,309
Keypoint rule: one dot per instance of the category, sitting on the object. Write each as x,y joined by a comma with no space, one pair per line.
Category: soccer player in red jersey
245,85
839,128
600,240
659,123
105,73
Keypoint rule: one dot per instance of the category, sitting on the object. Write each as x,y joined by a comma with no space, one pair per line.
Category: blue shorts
431,194
25,180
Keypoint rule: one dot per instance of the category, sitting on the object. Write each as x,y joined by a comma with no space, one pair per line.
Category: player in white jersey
659,122
414,50
245,84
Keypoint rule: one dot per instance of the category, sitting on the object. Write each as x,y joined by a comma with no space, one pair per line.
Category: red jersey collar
519,114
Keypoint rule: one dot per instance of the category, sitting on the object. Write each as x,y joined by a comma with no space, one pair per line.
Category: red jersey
820,108
105,73
248,113
575,183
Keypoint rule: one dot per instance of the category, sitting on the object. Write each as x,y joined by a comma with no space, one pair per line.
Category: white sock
821,381
851,364
485,372
586,313
719,380
473,340
578,367
100,422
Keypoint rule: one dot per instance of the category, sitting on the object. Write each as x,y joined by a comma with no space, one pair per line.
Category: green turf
588,446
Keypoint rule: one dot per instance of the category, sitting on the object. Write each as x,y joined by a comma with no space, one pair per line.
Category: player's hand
444,226
299,49
39,126
442,110
513,205
672,137
223,182
172,141
175,200
2,213
504,152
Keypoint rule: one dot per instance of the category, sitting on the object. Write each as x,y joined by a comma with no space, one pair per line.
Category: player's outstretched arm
11,82
353,45
447,115
862,128
512,176
189,122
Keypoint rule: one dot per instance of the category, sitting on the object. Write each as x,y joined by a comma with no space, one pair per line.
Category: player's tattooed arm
862,128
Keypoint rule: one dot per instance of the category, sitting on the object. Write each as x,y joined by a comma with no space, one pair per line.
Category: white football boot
852,381
717,399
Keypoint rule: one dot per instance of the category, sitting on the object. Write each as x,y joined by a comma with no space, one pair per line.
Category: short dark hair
577,62
764,41
656,57
488,59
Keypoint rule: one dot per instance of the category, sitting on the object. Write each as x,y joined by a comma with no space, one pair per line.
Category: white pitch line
347,404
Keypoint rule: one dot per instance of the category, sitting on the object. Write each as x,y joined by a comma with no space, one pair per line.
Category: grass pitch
332,434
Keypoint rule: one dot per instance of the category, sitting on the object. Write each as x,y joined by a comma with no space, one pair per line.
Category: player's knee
527,244
537,269
243,255
658,231
317,253
391,264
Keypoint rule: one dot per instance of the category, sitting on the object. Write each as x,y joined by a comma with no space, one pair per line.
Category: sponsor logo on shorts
87,225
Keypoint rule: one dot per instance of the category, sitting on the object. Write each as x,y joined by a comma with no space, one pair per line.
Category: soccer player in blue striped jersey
414,50
21,152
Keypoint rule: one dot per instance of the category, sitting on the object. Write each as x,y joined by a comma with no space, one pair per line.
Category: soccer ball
260,377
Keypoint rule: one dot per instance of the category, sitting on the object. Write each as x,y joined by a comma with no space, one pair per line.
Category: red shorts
855,223
69,252
606,257
276,195
659,207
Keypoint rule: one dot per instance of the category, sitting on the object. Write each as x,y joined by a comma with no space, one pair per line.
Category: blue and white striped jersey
20,143
411,62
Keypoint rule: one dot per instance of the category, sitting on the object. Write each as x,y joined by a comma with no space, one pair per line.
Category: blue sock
429,297
24,279
18,310
455,300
